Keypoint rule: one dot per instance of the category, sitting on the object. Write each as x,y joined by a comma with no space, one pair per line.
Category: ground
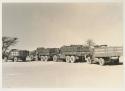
61,75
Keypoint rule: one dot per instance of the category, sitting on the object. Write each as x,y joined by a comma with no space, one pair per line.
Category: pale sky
57,24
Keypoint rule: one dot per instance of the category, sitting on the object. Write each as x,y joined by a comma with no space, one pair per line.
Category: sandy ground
61,75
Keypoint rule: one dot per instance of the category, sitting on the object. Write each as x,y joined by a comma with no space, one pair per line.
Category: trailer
103,55
16,55
72,53
46,54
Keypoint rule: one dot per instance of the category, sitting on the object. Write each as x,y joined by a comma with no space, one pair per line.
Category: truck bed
108,52
74,48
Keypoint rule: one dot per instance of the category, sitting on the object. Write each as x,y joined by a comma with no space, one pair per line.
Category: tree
6,43
90,43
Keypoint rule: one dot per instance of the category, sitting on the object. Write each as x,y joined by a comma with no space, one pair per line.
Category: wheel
32,58
89,61
55,58
46,58
29,59
101,61
68,59
42,58
72,59
15,59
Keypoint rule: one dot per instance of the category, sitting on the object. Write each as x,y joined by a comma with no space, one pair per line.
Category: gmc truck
16,55
72,53
46,54
103,55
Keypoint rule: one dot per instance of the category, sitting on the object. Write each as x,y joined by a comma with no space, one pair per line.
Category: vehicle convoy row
70,54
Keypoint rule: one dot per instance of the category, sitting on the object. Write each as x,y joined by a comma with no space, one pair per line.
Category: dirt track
61,74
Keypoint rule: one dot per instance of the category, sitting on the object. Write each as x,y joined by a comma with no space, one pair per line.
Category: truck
72,53
32,55
104,55
16,55
46,54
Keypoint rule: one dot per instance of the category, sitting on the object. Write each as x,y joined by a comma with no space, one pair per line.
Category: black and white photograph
62,45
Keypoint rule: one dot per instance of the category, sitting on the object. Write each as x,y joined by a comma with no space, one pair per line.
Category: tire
28,59
68,59
45,58
55,58
101,61
72,59
32,59
89,61
42,58
36,58
15,59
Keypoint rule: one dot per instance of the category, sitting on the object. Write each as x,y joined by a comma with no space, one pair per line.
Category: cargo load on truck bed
73,53
43,51
73,49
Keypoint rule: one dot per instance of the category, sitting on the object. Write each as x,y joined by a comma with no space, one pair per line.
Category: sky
57,24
